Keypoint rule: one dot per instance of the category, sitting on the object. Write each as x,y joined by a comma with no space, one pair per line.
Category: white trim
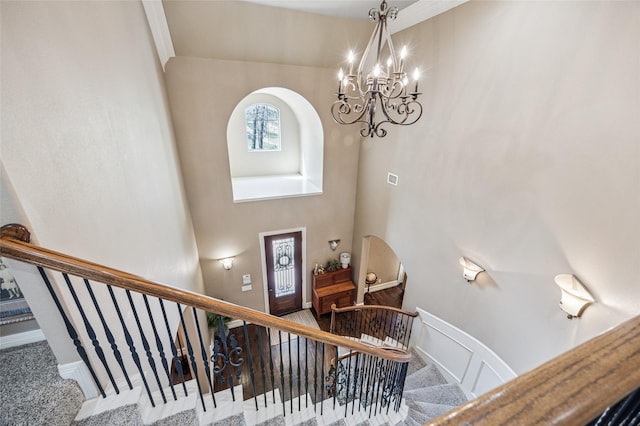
78,371
461,358
159,30
421,11
19,339
263,257
381,286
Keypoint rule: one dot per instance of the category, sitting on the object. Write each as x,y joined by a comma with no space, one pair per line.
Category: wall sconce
334,244
574,296
470,270
227,263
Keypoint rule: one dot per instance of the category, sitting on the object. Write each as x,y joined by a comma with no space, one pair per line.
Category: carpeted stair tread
122,416
426,376
275,421
416,362
235,420
38,394
184,418
422,412
449,394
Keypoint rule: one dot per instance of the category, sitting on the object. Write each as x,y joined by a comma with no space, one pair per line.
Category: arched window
263,127
276,146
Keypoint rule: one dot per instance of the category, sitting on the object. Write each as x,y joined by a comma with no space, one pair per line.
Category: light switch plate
247,287
246,279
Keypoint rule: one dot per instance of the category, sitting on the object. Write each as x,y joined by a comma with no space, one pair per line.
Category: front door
283,255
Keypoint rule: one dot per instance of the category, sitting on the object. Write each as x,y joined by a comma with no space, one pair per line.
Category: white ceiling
353,9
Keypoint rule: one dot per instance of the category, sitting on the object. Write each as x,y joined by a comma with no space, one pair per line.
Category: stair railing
125,330
374,324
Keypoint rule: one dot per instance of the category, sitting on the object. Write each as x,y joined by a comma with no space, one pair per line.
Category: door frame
263,264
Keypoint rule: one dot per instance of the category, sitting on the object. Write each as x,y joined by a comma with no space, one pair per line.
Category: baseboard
78,371
382,286
20,339
307,305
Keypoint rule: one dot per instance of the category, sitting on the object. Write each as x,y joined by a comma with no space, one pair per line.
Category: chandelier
384,89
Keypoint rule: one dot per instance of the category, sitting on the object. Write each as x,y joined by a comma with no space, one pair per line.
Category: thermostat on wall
392,179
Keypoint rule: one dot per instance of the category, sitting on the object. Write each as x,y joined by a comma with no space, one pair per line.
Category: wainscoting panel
460,357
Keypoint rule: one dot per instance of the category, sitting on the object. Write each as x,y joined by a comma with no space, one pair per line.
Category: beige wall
201,107
527,160
87,141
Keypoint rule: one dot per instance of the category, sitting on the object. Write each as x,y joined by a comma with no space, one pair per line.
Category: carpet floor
31,390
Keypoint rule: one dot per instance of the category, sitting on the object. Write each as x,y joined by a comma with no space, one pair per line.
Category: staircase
427,395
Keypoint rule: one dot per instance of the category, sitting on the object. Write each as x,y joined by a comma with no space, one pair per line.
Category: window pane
263,127
283,266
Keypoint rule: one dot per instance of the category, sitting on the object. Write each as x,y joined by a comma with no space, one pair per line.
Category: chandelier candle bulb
416,76
351,59
403,54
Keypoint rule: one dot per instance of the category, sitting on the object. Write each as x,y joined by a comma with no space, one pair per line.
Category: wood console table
333,287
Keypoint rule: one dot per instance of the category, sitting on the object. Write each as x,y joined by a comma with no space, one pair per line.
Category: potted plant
213,321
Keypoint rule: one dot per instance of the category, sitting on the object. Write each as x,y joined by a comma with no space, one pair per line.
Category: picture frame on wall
13,306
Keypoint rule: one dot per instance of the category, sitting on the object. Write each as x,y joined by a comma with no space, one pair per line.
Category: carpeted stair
34,394
31,390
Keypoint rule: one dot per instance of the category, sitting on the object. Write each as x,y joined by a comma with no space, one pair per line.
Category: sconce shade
227,263
574,296
333,244
470,270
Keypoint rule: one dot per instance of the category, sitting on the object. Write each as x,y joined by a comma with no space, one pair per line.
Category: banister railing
156,331
38,256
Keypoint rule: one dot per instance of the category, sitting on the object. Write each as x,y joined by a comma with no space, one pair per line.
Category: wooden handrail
13,247
571,389
371,307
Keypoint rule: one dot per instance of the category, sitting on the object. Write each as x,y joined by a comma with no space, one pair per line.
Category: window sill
272,187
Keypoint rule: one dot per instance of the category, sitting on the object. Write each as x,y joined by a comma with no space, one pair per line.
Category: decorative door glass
284,266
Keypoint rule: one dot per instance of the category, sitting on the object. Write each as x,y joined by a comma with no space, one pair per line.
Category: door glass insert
284,266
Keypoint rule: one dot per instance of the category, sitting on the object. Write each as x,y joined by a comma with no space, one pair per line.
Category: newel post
15,231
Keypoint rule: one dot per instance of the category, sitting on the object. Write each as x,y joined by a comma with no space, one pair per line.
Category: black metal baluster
374,396
132,348
91,333
205,358
299,393
160,347
273,383
176,359
284,407
409,330
145,344
365,364
392,384
372,383
356,377
250,357
225,347
72,331
346,401
262,368
194,366
335,379
322,380
306,372
315,378
290,373
112,341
